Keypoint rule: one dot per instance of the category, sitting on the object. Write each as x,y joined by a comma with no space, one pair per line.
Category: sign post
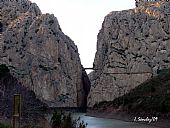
16,111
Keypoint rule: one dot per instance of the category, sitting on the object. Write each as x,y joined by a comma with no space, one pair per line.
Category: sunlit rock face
133,45
40,55
147,2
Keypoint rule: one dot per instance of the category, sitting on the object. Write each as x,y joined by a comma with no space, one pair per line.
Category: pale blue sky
81,20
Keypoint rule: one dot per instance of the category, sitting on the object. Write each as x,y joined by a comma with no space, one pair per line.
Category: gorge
132,47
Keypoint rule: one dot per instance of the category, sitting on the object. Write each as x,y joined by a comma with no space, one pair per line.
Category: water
94,122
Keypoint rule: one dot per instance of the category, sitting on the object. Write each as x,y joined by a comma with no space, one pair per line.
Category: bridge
118,72
89,69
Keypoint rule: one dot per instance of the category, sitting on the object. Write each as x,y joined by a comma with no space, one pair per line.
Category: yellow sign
17,104
17,111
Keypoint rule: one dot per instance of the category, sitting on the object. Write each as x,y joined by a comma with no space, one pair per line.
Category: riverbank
159,123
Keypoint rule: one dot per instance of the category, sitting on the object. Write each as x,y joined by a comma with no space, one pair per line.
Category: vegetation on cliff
150,98
3,70
4,126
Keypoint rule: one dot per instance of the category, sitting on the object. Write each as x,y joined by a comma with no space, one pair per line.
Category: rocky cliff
149,99
32,108
40,55
133,45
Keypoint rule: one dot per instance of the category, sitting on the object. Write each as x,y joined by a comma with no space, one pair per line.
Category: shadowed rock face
40,55
131,41
1,27
31,106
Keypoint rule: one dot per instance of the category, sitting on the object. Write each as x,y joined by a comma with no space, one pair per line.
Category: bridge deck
118,72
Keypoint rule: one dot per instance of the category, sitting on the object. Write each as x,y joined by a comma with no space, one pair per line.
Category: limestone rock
40,55
133,45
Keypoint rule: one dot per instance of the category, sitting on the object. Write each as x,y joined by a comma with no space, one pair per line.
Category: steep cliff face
40,55
31,106
133,45
151,98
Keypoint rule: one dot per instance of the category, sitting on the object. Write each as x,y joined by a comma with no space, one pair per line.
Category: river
94,122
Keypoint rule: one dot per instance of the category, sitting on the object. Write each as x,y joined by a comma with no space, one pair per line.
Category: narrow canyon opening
86,89
1,27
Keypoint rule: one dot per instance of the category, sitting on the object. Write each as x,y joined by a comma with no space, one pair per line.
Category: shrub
4,126
56,120
63,120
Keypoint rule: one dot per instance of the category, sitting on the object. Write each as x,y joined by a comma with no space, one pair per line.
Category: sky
81,20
